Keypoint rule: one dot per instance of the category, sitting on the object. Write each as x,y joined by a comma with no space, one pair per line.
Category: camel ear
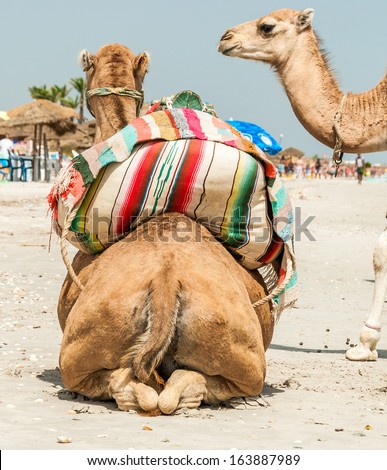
86,60
141,66
304,19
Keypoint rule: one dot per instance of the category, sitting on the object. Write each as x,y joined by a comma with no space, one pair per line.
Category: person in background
299,168
318,168
359,168
281,167
6,147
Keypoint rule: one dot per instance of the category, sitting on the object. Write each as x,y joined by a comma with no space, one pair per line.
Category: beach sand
313,398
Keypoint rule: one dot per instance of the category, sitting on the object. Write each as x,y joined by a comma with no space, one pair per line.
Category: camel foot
184,389
361,353
136,396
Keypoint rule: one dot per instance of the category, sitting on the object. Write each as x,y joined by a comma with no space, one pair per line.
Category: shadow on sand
382,353
53,377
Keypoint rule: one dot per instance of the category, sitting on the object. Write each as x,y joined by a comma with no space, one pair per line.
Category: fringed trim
62,183
64,188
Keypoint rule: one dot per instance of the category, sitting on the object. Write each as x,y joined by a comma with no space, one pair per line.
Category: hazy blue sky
41,40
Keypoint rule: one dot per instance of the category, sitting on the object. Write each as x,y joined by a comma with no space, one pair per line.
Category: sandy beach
313,398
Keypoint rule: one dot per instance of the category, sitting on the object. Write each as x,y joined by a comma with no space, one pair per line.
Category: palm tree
59,94
55,93
79,84
70,102
40,93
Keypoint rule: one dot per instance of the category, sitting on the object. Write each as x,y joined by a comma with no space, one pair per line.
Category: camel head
285,40
269,39
114,66
114,78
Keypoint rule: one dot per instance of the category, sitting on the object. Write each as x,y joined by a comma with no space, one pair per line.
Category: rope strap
337,156
279,289
63,248
120,91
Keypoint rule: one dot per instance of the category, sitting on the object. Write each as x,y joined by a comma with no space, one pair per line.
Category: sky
41,40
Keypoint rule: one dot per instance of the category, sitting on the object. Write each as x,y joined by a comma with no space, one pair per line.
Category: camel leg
89,378
220,351
187,389
371,331
120,385
184,389
130,393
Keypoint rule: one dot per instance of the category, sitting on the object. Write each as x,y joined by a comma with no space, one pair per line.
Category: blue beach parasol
256,134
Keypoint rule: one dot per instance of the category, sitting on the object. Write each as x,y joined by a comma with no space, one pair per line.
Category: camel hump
159,315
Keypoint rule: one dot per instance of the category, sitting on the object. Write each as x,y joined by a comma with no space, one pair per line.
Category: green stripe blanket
186,161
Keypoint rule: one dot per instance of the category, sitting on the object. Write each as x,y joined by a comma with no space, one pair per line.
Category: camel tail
159,317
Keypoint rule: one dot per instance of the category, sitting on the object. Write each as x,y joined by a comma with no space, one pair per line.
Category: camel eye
267,28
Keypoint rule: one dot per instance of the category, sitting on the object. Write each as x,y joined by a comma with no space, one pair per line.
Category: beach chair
18,168
15,168
27,165
4,163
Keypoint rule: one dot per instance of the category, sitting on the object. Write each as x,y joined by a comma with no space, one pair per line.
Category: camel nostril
227,35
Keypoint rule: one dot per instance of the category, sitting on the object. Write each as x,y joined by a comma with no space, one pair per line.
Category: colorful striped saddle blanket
177,160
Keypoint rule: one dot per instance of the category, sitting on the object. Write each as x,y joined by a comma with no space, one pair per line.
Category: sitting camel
351,123
160,324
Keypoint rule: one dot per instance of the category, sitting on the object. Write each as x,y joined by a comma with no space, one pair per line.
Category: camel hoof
184,389
136,397
361,353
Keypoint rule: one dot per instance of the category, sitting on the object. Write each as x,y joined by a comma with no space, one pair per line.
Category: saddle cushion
219,186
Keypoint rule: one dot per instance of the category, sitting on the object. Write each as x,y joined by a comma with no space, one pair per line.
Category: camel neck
311,88
315,98
112,114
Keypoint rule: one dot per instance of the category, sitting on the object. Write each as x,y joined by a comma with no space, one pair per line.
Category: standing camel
160,324
285,40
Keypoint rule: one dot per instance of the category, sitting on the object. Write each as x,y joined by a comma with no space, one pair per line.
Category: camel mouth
226,50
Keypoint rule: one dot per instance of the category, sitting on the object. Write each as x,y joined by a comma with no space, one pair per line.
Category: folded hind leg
105,383
131,394
187,389
184,389
221,359
128,392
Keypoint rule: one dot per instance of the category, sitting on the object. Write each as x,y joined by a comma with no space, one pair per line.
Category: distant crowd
323,169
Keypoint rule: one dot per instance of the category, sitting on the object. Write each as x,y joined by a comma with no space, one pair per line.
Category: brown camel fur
162,323
285,40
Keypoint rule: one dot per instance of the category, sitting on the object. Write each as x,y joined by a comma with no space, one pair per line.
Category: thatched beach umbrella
39,113
3,126
291,153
